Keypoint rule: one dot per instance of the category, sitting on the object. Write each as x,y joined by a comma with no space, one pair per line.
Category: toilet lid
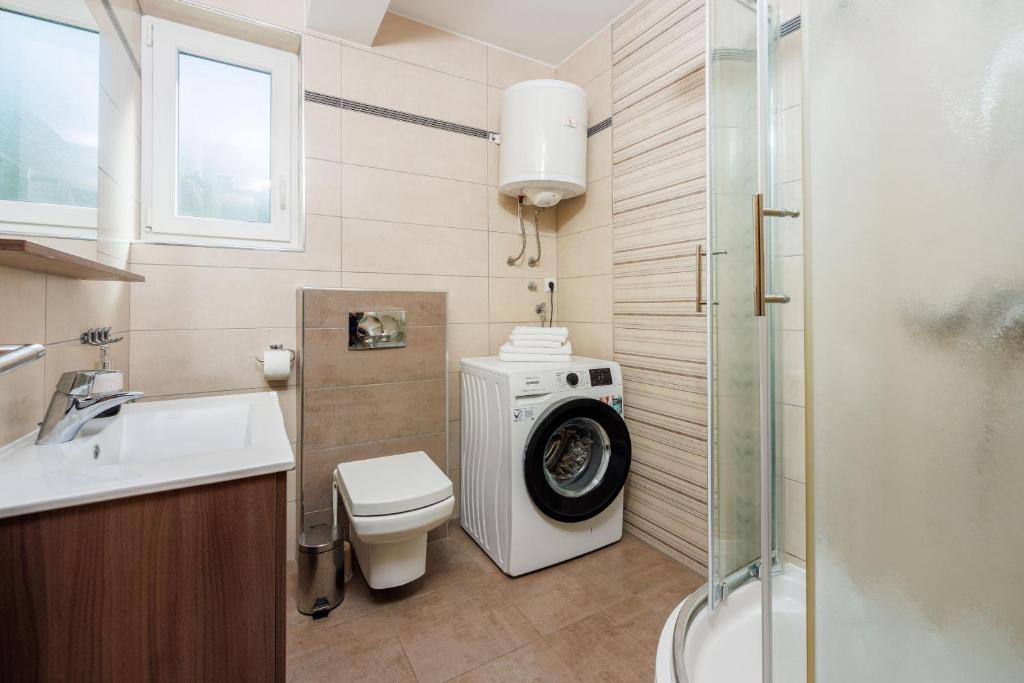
392,484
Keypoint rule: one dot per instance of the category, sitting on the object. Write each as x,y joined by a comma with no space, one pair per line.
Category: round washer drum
577,459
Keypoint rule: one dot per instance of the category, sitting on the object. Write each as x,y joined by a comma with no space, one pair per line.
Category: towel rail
13,356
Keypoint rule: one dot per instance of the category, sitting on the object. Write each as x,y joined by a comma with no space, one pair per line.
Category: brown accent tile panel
330,307
330,363
351,415
319,464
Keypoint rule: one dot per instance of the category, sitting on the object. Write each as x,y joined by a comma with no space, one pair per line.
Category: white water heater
543,151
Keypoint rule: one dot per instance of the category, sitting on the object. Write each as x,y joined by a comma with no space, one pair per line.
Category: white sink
148,447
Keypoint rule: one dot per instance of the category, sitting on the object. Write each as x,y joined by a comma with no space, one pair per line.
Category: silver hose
514,260
534,262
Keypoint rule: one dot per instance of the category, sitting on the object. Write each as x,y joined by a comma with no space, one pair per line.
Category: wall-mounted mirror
69,125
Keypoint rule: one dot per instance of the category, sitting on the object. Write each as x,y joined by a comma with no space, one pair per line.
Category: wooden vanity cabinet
183,585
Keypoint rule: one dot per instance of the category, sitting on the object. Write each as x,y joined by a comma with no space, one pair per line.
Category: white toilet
392,502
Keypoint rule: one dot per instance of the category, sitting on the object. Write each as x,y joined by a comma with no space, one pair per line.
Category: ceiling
545,30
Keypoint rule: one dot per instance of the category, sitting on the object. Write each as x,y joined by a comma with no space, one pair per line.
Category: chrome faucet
80,396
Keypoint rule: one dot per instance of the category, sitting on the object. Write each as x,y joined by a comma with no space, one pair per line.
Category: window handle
282,189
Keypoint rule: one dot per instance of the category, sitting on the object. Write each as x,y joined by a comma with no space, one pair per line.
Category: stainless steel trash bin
321,571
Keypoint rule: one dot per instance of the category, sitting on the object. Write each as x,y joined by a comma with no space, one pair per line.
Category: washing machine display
577,459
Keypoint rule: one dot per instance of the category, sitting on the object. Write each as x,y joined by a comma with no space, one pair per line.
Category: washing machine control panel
572,379
600,377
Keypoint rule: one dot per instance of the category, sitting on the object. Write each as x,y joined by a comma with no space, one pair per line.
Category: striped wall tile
658,214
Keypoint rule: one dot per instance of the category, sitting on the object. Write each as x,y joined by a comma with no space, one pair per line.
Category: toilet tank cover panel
392,484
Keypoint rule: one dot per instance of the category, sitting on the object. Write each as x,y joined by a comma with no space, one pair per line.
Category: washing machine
545,456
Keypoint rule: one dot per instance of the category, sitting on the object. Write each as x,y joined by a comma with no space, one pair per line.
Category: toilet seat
391,504
392,484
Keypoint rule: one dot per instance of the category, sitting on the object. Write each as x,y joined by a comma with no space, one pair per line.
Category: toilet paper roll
277,364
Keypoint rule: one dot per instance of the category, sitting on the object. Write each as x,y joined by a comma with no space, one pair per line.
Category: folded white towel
529,343
562,350
531,329
537,338
531,357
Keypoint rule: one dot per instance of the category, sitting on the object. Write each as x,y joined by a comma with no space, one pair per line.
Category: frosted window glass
223,141
49,111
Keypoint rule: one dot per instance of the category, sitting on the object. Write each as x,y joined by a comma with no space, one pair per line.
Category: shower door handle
760,211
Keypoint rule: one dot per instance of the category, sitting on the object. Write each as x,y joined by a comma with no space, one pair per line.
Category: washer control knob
572,379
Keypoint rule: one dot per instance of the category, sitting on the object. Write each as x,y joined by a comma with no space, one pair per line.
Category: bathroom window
49,126
220,140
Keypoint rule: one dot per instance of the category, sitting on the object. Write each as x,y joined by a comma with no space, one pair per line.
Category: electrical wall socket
549,284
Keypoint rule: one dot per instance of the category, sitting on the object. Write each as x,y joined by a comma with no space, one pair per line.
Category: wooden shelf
28,255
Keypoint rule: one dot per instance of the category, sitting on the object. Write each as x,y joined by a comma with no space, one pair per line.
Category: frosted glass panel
49,112
224,165
735,374
914,144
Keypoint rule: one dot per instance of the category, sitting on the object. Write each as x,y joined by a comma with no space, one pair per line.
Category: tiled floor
595,618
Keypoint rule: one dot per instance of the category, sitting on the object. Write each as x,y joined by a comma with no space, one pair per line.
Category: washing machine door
577,459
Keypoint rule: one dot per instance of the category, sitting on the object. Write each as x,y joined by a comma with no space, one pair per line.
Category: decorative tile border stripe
395,115
124,38
598,127
791,26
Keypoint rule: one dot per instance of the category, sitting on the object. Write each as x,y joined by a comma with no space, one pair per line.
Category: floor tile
358,602
617,644
456,629
363,649
561,595
532,663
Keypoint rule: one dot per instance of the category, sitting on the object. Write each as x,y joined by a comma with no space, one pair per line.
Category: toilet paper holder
279,347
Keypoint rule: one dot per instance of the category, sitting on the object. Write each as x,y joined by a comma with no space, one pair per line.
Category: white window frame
36,218
164,41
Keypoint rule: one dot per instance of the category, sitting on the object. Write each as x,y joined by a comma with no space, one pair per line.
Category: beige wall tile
73,306
323,187
792,439
599,155
192,297
503,215
494,108
321,66
322,251
400,146
411,41
351,415
376,246
793,518
22,401
328,362
375,79
791,356
593,340
511,301
407,198
22,306
599,98
467,296
585,253
322,131
454,445
330,307
506,244
165,362
506,68
589,60
466,340
454,394
585,299
590,210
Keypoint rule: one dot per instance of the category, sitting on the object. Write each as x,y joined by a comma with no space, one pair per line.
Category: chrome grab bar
760,211
13,356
